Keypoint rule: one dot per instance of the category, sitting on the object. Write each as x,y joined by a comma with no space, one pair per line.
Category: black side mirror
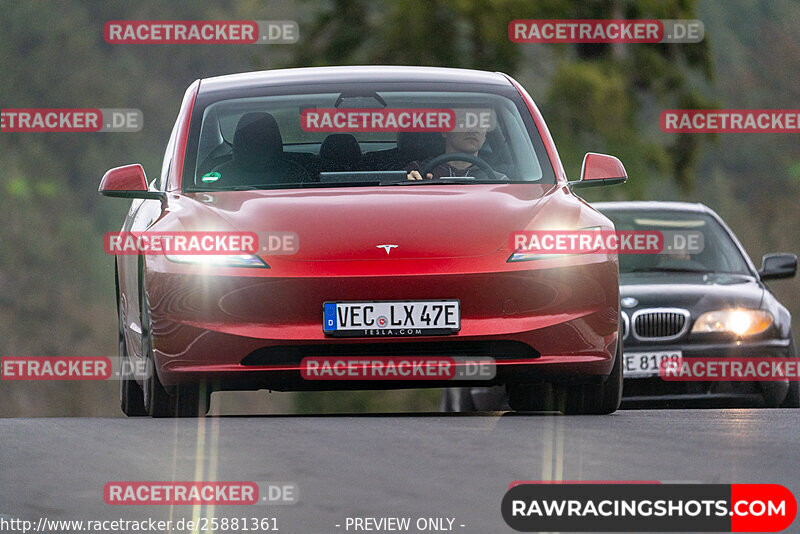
776,266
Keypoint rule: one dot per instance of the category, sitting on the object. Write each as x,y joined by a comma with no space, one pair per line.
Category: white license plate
392,318
645,364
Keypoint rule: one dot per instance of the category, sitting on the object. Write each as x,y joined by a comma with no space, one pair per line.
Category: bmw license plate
391,318
646,364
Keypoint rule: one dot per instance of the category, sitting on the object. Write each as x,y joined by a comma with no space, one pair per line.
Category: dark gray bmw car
700,297
706,301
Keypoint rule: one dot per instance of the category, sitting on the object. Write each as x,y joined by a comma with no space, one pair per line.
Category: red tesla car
398,188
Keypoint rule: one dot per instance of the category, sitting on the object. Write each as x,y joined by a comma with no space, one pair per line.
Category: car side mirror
774,266
128,181
600,169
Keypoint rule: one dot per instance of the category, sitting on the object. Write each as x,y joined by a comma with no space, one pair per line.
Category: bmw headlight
219,260
738,321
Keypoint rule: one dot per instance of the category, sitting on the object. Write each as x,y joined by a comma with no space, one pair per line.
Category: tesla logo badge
387,248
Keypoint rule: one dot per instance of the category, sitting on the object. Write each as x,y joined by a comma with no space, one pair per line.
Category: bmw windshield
716,251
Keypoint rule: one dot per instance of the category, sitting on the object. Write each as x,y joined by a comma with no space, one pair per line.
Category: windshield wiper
294,185
364,183
438,181
669,270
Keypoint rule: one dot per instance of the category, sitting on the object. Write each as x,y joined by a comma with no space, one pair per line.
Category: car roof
652,205
371,73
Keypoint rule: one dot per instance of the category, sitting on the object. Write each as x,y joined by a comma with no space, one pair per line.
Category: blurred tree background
56,283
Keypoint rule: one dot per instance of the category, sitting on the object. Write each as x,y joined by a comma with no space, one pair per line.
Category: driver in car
679,259
466,142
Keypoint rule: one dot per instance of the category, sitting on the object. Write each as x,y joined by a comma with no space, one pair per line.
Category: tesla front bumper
252,332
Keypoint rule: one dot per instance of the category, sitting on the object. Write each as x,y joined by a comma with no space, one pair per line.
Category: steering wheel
458,156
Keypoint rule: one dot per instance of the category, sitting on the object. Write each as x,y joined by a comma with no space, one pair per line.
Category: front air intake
660,324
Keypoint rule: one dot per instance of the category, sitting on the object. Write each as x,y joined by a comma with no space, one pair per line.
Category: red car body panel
205,323
452,244
127,178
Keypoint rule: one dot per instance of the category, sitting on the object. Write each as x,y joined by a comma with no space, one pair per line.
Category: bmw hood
698,292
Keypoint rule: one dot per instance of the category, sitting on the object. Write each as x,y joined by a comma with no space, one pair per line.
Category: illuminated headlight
738,321
219,260
523,255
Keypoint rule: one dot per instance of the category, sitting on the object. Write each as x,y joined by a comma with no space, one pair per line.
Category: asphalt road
414,465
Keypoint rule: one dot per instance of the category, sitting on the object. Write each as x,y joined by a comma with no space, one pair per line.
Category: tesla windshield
718,253
363,137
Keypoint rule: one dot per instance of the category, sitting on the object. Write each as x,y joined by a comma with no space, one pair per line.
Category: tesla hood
392,222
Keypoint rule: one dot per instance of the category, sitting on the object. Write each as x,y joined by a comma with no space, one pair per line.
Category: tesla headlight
738,321
521,254
219,260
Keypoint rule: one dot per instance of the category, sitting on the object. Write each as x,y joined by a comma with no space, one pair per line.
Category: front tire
189,400
600,399
792,399
457,400
578,399
131,397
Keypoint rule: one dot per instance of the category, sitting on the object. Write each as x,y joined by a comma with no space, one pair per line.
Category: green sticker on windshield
211,177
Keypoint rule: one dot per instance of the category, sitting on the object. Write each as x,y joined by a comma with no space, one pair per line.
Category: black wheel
775,393
489,398
188,400
131,397
447,405
577,399
457,400
601,398
543,397
792,399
